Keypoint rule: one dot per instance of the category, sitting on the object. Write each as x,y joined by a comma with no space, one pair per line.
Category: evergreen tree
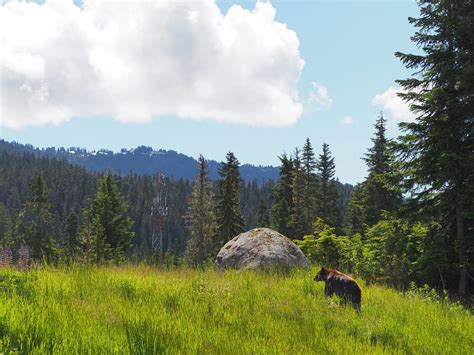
109,207
71,236
282,208
310,186
93,245
200,218
36,220
263,220
436,151
298,186
228,215
327,204
379,196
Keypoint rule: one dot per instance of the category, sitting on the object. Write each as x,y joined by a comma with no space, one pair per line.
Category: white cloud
319,97
394,108
348,120
140,60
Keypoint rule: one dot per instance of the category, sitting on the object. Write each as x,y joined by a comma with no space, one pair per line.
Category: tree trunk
443,281
463,279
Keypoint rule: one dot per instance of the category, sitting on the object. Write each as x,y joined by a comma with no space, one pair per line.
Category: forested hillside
141,160
70,189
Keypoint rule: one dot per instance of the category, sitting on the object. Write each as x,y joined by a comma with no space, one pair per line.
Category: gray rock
260,248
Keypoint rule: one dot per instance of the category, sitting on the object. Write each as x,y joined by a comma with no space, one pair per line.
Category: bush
324,247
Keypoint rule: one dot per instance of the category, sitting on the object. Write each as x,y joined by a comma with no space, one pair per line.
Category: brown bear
342,285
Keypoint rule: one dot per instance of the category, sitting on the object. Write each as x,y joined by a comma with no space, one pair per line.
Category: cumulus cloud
318,97
138,60
394,108
348,120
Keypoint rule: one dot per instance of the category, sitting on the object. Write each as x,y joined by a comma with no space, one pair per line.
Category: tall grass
141,310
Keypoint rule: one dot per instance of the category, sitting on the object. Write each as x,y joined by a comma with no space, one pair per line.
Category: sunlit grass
144,310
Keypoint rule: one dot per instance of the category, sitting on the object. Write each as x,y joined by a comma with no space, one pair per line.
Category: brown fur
340,284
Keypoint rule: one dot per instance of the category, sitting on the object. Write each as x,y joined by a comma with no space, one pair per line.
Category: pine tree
379,196
36,220
327,204
298,185
228,215
310,186
200,218
437,148
109,207
282,207
71,236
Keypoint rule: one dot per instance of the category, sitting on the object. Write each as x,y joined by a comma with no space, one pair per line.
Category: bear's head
321,275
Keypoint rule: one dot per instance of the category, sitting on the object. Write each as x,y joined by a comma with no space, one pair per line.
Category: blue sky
348,48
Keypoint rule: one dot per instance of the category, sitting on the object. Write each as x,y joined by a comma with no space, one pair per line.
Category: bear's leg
356,301
328,291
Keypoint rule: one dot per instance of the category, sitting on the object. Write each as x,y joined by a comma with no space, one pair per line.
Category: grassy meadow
141,310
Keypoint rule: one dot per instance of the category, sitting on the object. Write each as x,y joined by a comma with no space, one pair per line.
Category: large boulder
260,248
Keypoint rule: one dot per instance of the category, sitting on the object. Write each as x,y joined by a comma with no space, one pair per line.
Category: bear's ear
323,269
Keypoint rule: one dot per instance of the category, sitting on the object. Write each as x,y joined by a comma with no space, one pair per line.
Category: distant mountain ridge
141,160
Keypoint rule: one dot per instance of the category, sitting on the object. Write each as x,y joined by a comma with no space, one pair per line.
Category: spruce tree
298,190
228,215
36,220
310,186
327,204
436,150
379,195
200,218
282,207
108,209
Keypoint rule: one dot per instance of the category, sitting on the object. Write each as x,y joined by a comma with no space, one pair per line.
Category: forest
69,189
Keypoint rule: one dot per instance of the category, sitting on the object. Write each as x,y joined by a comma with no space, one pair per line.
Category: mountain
141,160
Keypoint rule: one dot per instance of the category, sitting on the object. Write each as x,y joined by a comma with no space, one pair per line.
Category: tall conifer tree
310,186
282,207
200,218
228,215
379,196
108,209
327,204
298,192
437,149
36,220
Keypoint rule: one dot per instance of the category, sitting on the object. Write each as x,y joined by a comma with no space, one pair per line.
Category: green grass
142,310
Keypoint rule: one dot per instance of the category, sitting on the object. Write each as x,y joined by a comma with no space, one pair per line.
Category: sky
204,77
